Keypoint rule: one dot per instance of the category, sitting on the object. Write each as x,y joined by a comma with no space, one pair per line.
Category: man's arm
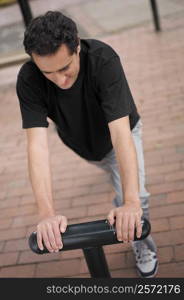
128,216
39,169
48,230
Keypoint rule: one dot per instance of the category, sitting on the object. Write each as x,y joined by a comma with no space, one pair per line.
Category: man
80,85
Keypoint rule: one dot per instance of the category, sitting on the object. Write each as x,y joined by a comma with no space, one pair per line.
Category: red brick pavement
154,66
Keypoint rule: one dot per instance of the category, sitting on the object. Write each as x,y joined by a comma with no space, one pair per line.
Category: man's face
62,68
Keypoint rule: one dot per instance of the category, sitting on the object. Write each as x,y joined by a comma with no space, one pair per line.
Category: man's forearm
40,177
128,165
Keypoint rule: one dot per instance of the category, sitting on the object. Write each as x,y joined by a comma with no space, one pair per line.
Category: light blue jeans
110,165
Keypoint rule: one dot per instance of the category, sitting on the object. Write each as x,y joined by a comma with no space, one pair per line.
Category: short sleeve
113,90
32,106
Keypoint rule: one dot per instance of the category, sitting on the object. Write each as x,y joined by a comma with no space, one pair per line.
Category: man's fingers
119,227
39,240
138,227
57,235
110,217
46,241
51,237
125,228
63,224
131,228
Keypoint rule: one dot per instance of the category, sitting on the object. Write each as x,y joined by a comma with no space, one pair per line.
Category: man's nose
60,79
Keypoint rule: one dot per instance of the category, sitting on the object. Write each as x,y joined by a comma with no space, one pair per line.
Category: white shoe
146,257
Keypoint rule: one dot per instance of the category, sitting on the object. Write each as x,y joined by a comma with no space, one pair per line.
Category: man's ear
79,46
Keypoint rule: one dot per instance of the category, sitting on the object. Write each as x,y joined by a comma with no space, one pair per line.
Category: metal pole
156,17
26,11
96,262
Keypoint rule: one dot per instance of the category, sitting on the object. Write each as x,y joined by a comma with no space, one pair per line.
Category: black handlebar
89,234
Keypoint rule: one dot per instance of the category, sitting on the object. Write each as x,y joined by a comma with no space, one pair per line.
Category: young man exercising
81,86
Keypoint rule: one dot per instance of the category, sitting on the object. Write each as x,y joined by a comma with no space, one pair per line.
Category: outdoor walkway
154,67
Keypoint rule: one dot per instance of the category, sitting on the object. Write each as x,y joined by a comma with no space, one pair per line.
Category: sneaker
146,258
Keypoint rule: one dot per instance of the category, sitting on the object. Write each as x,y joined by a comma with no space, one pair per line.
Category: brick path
154,66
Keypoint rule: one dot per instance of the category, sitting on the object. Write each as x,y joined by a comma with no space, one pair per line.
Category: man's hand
128,217
49,232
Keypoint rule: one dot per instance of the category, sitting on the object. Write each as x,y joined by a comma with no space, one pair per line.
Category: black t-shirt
81,113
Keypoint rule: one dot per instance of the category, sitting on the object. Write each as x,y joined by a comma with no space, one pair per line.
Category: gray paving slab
112,16
11,38
11,14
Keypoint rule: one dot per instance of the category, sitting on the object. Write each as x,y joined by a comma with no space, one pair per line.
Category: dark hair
46,33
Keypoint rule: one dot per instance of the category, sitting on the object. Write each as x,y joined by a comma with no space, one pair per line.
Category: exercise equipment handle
89,234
